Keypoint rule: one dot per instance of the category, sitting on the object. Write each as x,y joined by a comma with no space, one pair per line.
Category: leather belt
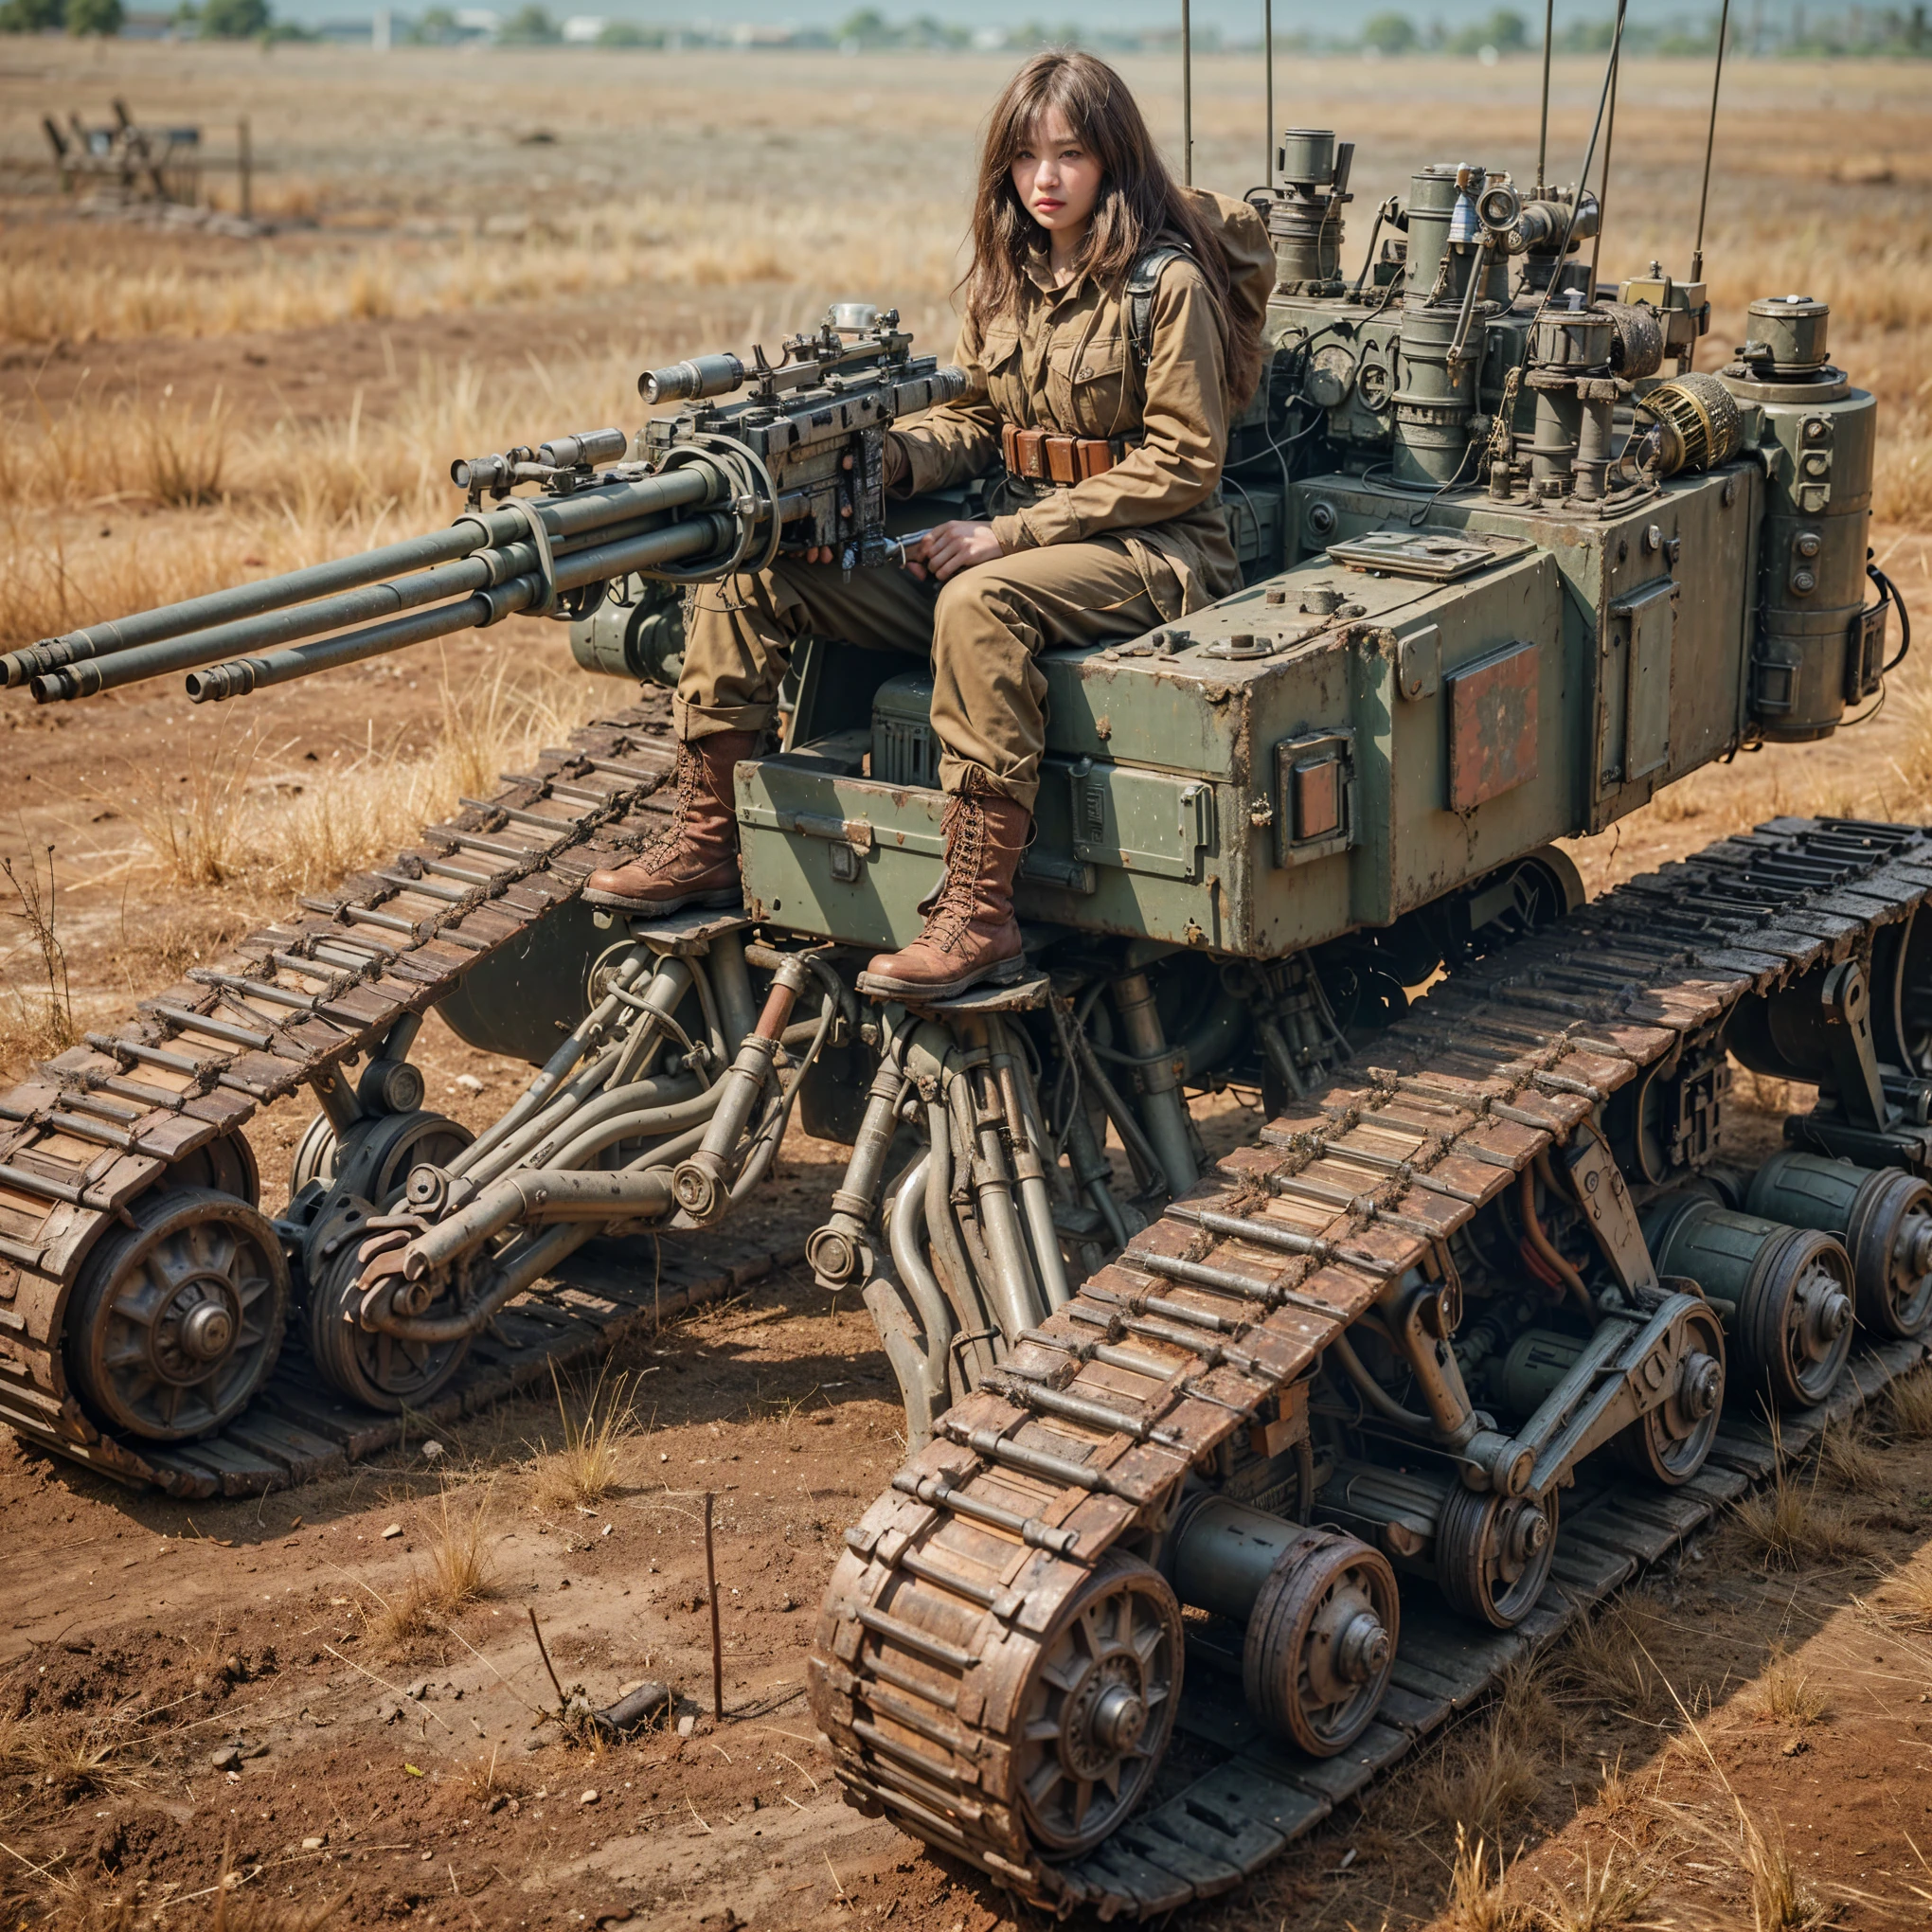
1035,456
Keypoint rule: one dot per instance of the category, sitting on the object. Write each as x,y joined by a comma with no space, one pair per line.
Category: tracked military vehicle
1230,1477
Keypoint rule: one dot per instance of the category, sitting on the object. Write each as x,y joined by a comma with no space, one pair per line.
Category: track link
163,1100
950,1586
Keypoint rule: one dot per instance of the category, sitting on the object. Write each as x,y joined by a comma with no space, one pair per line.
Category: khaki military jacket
1064,363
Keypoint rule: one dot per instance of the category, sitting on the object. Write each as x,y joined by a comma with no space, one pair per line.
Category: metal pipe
703,1180
529,1264
1543,116
619,1116
1546,1250
1030,1170
1378,1398
1093,1168
935,1317
1166,1113
1186,93
1016,1296
539,1194
690,538
1268,88
1709,145
948,1256
564,517
1147,1163
731,982
581,1039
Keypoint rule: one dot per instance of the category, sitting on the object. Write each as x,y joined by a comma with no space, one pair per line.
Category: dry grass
67,1755
1600,1900
60,285
1481,1783
38,1021
1850,1460
1787,1695
245,820
1787,1528
598,1427
1908,1408
1608,1658
1479,1899
459,1572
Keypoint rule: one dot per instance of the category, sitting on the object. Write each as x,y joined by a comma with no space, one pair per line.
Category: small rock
536,1743
394,1529
315,1844
233,1668
497,1802
785,1601
588,1797
388,1710
515,1806
469,1082
1796,1747
432,1452
607,1529
820,1419
562,1582
686,1725
255,1750
227,1758
418,1690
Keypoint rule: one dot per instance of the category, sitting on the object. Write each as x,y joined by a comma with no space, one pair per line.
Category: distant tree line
207,20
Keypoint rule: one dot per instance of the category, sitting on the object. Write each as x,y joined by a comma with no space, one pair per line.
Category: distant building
586,30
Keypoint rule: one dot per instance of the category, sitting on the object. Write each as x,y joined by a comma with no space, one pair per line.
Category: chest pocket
1087,387
999,356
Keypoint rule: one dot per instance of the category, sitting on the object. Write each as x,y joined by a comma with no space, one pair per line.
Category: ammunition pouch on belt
1035,456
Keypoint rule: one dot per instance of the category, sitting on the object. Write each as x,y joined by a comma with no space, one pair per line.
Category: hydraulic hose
936,1319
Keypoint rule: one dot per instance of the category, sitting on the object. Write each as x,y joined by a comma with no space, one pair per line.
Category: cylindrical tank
1790,1288
1305,220
1436,399
1809,661
1884,1217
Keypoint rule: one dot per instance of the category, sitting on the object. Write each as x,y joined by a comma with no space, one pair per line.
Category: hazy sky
1241,18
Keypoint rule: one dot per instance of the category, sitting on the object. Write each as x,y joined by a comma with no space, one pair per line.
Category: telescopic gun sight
693,381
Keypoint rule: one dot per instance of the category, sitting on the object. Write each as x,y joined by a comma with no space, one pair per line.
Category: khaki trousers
983,629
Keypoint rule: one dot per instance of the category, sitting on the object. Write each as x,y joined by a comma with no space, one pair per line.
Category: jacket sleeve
950,444
1185,433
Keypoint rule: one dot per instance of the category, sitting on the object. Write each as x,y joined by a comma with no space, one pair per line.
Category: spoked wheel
1321,1641
178,1319
1669,1443
382,1372
1493,1554
1099,1705
1794,1321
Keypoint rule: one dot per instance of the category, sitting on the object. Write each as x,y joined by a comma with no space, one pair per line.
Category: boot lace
949,911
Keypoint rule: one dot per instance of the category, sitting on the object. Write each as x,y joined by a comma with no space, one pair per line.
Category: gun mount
1474,1308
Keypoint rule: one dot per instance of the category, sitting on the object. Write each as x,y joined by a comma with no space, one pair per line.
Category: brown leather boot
694,861
970,933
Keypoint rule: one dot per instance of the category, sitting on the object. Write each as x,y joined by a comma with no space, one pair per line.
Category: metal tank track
166,1096
949,1589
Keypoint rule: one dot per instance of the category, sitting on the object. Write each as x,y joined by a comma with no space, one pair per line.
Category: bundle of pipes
488,565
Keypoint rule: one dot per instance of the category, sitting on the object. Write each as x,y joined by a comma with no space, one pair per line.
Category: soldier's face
1057,178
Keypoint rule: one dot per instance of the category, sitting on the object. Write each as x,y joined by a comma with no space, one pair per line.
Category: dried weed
40,1022
1600,1900
1850,1460
1607,1658
597,1428
1786,1527
459,1572
1908,1408
1479,1901
1480,1784
1786,1693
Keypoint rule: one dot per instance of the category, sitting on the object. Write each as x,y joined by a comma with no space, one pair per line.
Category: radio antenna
1543,122
1268,69
1709,143
1186,93
1609,137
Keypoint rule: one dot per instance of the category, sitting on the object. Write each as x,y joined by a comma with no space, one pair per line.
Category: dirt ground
400,1770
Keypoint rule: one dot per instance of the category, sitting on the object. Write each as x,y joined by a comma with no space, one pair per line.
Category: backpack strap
1142,279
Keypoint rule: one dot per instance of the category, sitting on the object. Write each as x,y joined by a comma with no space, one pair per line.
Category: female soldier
1116,313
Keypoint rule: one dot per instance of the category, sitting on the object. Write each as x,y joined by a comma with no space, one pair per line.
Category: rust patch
1492,726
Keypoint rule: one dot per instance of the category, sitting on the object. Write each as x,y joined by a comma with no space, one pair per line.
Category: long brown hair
1139,201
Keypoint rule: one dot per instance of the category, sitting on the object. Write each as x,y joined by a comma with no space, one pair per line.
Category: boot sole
657,909
1001,973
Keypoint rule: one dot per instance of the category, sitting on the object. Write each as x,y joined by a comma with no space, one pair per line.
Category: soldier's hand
951,548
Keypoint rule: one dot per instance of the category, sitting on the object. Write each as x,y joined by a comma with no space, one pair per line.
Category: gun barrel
690,536
562,516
